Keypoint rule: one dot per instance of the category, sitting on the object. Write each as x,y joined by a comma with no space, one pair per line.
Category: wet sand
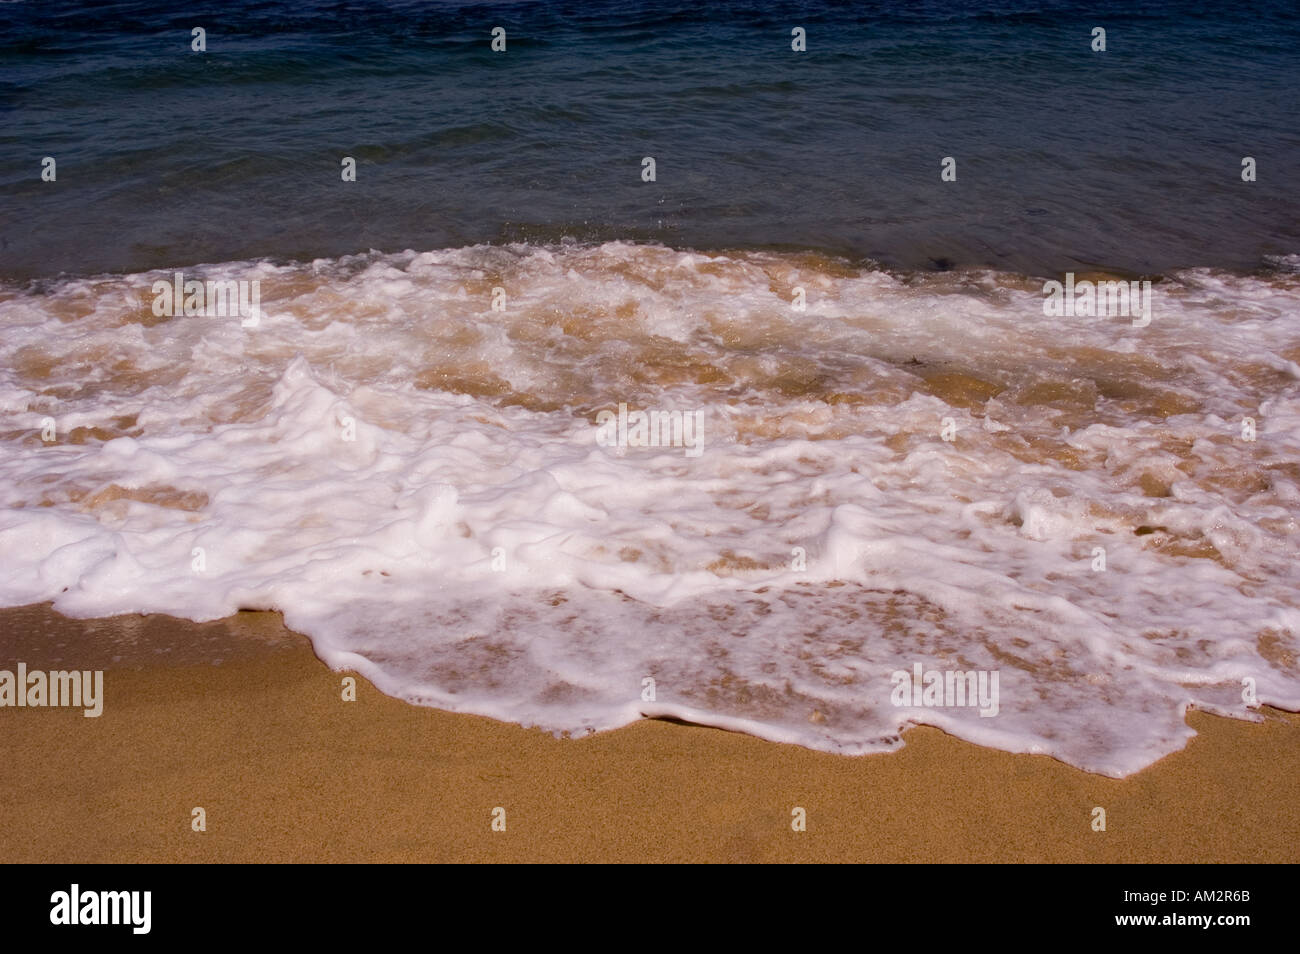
285,770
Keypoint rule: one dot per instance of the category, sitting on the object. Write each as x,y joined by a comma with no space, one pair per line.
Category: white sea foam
475,547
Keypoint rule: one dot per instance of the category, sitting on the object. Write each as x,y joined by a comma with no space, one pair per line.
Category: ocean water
1066,158
407,452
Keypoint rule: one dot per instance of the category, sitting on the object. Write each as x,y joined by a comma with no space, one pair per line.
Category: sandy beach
717,436
285,770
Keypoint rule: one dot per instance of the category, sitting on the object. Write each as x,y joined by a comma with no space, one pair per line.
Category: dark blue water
1066,158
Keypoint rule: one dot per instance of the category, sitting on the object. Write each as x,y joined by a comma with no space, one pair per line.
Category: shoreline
285,770
1269,264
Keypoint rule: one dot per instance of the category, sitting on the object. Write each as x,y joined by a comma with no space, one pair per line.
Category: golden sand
285,770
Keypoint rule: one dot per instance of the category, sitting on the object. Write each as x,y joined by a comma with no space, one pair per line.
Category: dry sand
287,771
